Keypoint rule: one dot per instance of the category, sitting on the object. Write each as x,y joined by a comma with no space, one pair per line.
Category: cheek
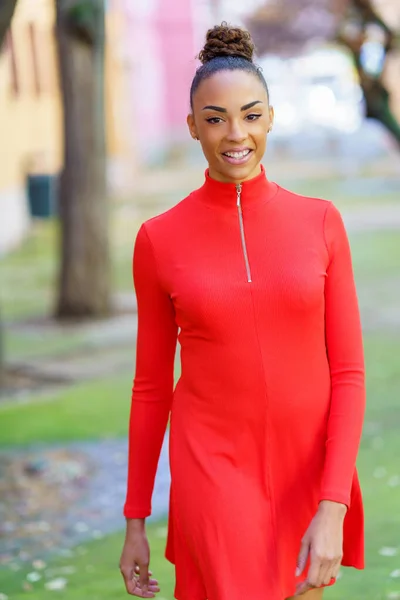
211,140
261,140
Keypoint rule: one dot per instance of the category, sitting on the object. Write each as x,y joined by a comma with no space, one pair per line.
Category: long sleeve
154,378
346,361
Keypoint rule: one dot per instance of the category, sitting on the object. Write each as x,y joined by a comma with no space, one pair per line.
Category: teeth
237,154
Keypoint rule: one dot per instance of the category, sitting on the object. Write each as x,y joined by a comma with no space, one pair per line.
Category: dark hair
226,49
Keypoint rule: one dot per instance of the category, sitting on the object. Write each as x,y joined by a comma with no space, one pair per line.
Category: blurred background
93,141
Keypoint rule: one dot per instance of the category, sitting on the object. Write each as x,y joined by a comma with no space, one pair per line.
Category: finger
314,572
153,585
139,593
137,569
303,588
144,577
325,575
336,569
127,574
302,557
152,590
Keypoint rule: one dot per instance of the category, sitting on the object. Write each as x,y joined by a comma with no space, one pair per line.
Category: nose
237,132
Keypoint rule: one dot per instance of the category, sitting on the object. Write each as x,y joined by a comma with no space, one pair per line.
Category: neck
223,195
222,178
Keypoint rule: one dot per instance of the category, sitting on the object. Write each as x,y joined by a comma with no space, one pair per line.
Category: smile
237,157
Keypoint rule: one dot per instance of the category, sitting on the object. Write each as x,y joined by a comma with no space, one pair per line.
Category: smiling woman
230,133
256,284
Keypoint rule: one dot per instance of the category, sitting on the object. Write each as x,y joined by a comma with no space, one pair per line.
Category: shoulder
166,223
306,204
311,208
314,214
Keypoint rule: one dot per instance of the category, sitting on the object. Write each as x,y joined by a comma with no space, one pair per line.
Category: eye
253,117
214,120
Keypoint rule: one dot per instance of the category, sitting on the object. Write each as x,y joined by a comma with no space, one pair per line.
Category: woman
256,283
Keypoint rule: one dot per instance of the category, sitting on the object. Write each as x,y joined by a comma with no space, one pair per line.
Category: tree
7,8
286,26
84,287
352,32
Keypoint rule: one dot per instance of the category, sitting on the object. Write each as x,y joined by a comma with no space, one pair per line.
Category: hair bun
223,40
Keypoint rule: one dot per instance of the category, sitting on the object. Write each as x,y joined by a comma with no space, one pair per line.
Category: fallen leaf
394,481
56,584
33,577
387,551
395,573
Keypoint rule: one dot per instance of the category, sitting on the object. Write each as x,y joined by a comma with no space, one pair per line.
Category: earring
270,129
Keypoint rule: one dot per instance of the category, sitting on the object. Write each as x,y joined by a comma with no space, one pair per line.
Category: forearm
148,424
343,439
332,507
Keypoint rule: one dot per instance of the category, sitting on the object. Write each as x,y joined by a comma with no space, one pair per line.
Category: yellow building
31,138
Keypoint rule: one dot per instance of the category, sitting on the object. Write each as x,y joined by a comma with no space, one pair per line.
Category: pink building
158,49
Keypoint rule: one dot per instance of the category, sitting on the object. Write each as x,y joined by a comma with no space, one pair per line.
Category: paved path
53,498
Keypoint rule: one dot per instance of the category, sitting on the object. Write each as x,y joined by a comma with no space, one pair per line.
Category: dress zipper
239,207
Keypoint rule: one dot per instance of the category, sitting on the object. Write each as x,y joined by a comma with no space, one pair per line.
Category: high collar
254,192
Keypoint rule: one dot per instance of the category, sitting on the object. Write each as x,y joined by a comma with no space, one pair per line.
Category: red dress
256,284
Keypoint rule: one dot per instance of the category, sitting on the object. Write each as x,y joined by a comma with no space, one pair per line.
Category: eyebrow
223,110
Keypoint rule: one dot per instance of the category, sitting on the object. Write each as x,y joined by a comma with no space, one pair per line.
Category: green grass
97,575
87,410
376,254
90,410
100,409
28,274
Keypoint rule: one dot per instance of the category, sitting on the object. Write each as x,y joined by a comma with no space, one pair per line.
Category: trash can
42,195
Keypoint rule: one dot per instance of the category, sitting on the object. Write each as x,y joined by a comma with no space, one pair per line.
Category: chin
240,173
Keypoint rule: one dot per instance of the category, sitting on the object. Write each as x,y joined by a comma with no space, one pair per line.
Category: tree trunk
84,283
7,8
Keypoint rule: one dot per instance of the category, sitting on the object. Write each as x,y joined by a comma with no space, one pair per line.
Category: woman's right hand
135,559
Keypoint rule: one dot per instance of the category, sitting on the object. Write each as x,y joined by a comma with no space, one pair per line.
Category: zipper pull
238,192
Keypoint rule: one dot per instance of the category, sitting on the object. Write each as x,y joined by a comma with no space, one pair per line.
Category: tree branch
7,8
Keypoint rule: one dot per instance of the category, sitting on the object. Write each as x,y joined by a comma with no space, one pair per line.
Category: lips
237,156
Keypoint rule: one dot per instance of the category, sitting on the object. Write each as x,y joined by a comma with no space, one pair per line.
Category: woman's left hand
323,542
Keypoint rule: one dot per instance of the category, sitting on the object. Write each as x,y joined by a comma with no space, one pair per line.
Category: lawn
99,409
96,575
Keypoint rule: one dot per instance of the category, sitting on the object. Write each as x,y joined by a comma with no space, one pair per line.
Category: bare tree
352,33
7,8
287,26
84,289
